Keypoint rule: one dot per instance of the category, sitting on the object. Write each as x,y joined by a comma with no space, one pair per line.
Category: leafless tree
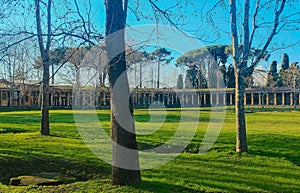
116,13
242,65
54,25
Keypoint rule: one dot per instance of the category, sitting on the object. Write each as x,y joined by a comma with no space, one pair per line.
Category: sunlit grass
272,164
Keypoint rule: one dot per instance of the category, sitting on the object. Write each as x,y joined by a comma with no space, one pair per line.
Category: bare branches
125,9
38,25
271,35
81,17
164,13
49,18
77,36
234,33
16,43
246,46
254,22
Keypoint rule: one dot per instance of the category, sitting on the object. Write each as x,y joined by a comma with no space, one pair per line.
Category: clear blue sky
189,16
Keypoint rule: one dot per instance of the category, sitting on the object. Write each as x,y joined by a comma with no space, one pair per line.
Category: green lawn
272,165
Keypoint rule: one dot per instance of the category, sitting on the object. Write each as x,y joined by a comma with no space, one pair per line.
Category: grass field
272,164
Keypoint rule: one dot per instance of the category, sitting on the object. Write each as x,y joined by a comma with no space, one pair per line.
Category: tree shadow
156,186
276,146
19,164
12,130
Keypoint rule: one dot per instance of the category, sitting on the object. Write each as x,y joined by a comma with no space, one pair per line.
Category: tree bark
242,71
241,135
53,73
122,136
158,72
141,82
45,130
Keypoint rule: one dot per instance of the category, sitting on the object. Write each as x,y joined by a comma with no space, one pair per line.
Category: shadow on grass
28,164
156,186
228,173
190,148
276,146
12,130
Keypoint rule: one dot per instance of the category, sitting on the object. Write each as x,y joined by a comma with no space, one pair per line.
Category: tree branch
271,36
164,13
246,42
254,26
15,43
48,44
81,17
234,33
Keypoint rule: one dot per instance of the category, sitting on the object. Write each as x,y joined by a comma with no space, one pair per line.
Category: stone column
211,98
259,99
0,98
103,98
267,99
92,98
282,99
149,98
252,99
224,99
217,98
152,97
231,99
51,98
138,95
291,99
245,99
204,99
59,99
275,98
193,99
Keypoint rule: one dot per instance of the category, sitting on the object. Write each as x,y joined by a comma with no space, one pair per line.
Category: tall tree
206,62
134,58
45,55
242,65
272,76
290,78
33,21
230,77
285,62
160,55
179,82
123,138
191,78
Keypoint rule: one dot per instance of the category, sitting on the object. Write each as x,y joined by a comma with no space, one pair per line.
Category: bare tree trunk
120,104
53,73
241,135
141,83
45,101
45,130
158,72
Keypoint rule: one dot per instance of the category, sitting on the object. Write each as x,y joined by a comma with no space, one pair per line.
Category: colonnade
66,97
217,97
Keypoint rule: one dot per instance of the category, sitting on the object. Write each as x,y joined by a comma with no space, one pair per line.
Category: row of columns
16,98
215,99
143,99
